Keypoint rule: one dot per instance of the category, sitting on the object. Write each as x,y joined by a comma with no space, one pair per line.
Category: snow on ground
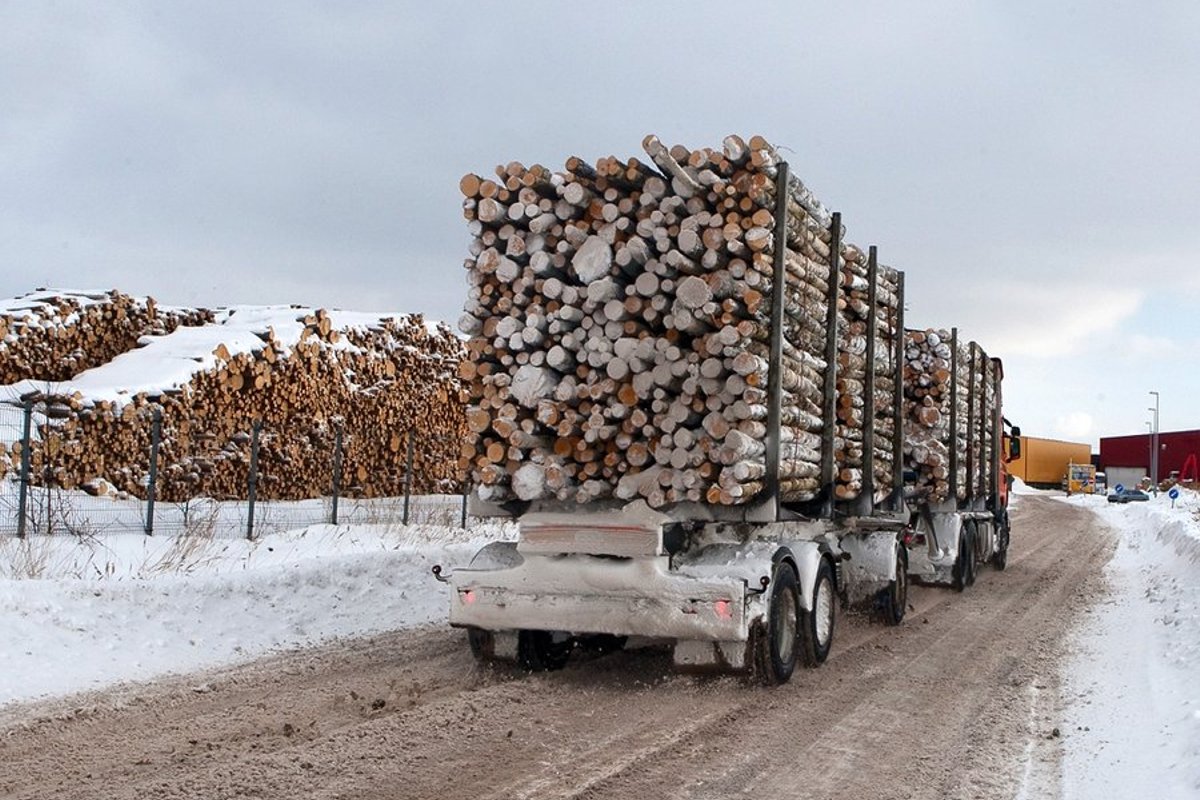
81,613
1132,722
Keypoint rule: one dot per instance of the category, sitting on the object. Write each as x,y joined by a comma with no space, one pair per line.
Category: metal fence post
408,458
337,472
252,480
152,485
26,437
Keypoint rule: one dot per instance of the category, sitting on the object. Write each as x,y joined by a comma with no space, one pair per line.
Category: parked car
1128,496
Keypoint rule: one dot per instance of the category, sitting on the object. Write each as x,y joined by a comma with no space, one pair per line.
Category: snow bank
80,614
1133,716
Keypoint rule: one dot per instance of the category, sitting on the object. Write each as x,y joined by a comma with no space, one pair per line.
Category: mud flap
701,656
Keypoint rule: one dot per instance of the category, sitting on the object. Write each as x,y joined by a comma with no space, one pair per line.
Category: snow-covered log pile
302,373
52,335
935,402
619,318
854,411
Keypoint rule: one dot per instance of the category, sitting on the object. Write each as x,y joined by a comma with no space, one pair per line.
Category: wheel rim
785,627
823,613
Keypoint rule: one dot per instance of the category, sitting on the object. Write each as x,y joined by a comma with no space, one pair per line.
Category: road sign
1118,488
1174,493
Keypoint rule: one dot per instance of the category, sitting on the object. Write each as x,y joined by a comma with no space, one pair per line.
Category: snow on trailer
686,387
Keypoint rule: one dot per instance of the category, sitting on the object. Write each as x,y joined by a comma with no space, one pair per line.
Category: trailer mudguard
872,563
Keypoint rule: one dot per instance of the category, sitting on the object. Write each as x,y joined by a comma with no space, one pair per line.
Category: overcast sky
1034,167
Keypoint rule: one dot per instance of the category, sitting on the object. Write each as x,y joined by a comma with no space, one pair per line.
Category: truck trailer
690,393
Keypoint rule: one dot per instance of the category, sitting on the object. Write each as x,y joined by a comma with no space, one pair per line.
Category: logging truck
701,408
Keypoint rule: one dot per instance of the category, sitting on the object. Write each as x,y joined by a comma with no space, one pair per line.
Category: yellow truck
1044,462
1081,479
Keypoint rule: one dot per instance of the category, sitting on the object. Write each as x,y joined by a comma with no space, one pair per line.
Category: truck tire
894,599
537,651
972,549
602,643
1000,557
483,645
816,626
778,640
959,572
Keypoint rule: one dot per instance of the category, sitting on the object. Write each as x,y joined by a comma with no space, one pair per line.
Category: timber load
303,375
951,416
620,322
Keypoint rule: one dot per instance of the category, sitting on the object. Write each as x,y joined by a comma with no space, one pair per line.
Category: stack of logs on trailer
621,331
378,379
949,386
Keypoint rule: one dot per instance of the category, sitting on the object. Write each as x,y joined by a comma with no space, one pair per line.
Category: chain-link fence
54,479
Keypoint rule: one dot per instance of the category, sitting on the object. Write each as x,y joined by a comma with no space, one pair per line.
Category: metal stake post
408,459
866,499
954,415
152,486
26,437
252,480
465,492
774,374
898,404
337,472
831,342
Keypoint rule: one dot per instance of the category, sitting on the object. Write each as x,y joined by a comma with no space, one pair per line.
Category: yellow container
1045,461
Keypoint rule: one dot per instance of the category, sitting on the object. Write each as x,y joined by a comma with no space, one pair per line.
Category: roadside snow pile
1133,715
80,614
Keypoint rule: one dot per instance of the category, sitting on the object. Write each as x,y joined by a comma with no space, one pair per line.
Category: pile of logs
378,383
854,410
54,335
950,401
619,318
928,359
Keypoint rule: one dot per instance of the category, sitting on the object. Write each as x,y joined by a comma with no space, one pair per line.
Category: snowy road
961,701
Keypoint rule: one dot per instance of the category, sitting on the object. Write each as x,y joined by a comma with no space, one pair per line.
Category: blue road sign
1119,488
1174,493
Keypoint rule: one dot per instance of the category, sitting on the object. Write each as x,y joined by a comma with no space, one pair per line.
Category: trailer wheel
1000,558
543,651
895,597
816,626
959,572
602,643
972,548
483,644
777,642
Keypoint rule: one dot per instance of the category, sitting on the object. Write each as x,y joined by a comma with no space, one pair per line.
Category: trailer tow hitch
437,573
765,581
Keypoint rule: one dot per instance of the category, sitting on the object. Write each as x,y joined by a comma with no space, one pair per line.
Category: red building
1134,451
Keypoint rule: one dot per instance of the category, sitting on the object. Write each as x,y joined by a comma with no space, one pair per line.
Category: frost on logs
619,324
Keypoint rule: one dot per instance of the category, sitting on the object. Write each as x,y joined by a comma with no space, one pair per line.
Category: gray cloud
1003,154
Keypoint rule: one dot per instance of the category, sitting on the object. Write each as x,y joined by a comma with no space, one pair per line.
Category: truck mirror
1014,444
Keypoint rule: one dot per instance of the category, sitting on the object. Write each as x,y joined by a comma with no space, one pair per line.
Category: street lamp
1154,446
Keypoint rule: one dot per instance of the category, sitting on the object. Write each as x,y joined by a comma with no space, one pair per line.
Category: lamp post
1154,447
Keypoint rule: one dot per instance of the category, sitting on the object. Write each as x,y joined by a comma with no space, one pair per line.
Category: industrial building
1043,462
1126,459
